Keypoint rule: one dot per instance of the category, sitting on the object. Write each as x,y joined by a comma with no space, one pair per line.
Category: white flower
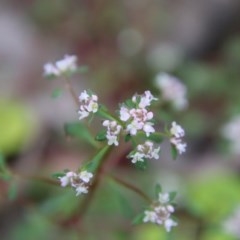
144,151
113,130
163,198
138,118
66,65
160,212
124,114
172,90
81,189
169,223
180,146
85,176
145,99
176,130
150,216
66,180
50,69
88,104
79,182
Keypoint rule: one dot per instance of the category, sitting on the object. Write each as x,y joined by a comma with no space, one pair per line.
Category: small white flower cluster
160,212
172,90
78,181
66,65
231,131
177,132
144,151
231,225
138,118
88,104
113,130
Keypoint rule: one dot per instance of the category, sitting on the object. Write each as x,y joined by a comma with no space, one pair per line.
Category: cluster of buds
78,181
113,130
177,132
172,90
88,104
144,151
160,212
67,65
137,116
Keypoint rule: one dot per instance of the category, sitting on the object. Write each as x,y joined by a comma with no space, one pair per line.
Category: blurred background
125,44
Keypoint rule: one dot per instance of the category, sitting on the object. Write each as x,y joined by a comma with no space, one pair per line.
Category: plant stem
70,89
131,187
103,153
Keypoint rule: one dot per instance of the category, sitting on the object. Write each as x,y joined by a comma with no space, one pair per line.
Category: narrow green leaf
101,136
78,130
56,93
174,152
156,137
127,138
158,189
172,195
138,219
94,164
129,103
12,191
103,113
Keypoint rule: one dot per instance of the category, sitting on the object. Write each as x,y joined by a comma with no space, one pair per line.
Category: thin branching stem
130,187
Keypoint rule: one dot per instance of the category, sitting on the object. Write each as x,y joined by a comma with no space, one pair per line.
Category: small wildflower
88,104
172,90
177,132
144,151
231,225
160,212
78,181
66,65
138,118
113,130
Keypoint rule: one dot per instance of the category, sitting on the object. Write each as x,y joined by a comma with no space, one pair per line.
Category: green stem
98,162
131,187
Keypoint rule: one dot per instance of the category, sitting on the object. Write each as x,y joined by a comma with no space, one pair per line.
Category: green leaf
174,152
138,219
127,137
101,136
172,196
141,165
156,137
158,189
12,191
103,112
129,103
56,93
94,164
78,130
